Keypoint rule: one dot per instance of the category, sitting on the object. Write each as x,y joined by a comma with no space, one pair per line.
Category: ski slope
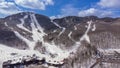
19,55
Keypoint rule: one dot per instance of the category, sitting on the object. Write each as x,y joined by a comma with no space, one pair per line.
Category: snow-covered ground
85,36
109,51
94,27
69,35
63,28
6,52
75,27
21,24
6,24
51,48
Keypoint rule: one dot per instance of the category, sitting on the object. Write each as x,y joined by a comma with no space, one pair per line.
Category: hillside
68,42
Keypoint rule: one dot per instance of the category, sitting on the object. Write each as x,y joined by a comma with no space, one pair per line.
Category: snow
54,31
61,54
75,27
85,36
37,36
51,67
63,30
1,63
75,47
31,44
6,52
6,24
56,24
50,47
94,27
109,51
69,35
37,24
21,24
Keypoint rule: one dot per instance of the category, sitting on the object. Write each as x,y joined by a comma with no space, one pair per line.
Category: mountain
27,39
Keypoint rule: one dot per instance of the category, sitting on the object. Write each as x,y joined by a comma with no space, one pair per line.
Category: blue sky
61,8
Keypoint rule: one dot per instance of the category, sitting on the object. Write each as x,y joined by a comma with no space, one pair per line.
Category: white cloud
105,11
7,8
95,12
53,17
103,8
1,0
69,10
58,16
34,4
109,3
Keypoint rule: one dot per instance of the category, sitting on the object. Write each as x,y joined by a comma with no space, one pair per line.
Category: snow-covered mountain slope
69,42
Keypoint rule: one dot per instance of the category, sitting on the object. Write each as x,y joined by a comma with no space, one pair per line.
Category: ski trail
109,51
75,27
30,44
56,24
84,37
37,24
51,48
6,24
21,24
94,27
37,36
63,28
69,35
78,43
